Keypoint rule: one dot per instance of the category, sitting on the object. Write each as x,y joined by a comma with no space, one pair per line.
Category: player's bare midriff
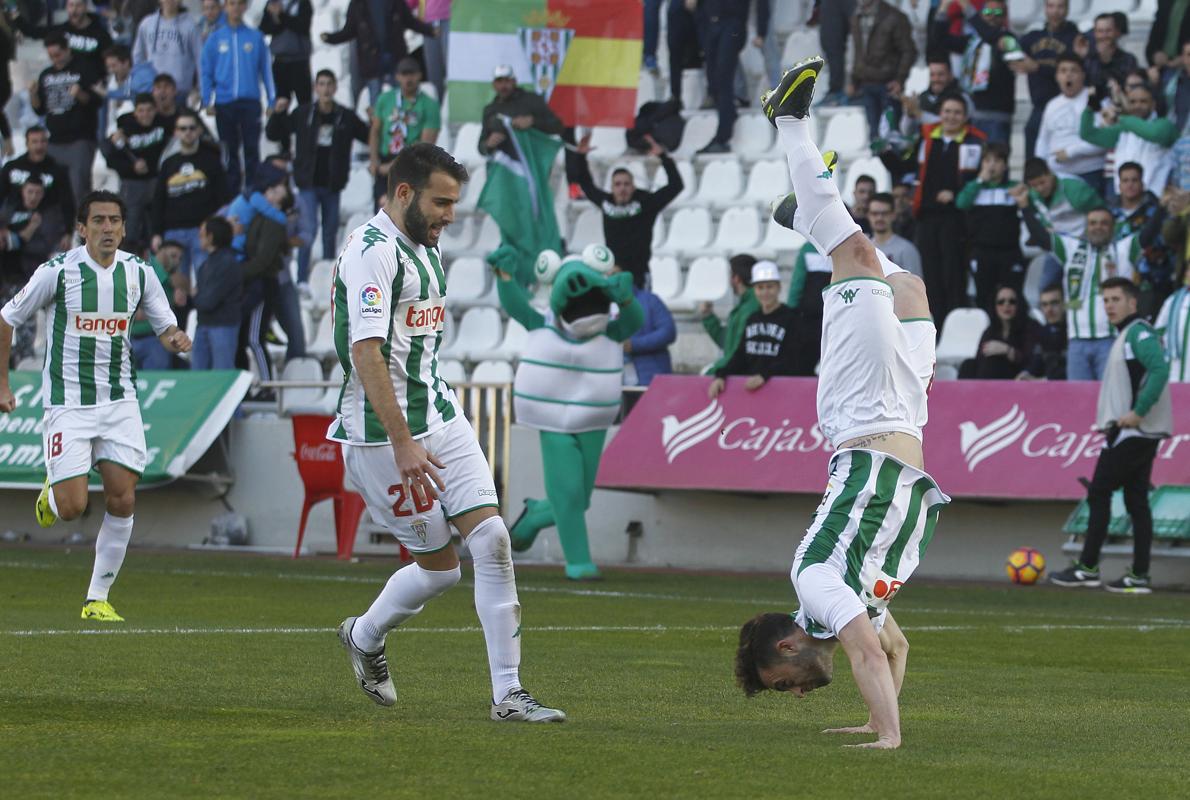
897,444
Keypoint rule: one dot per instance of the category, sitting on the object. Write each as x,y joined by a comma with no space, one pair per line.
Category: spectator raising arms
1138,135
629,213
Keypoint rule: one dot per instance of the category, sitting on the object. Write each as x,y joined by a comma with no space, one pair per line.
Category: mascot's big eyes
546,267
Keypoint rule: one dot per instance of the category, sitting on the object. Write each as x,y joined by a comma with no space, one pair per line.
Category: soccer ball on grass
1025,566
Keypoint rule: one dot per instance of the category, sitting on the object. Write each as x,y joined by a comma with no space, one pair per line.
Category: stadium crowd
174,103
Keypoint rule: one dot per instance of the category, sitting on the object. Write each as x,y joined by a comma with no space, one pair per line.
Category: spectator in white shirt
1058,140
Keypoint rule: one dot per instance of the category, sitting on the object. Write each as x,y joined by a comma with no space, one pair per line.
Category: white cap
503,71
765,271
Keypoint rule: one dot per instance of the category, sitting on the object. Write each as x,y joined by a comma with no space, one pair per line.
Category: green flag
517,195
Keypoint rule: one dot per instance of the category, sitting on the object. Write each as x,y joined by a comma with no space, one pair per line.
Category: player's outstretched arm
896,650
870,666
418,468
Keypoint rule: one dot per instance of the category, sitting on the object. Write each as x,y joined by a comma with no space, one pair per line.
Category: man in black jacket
527,110
134,152
266,249
36,162
629,213
322,161
768,348
288,23
218,299
190,187
64,94
378,29
85,32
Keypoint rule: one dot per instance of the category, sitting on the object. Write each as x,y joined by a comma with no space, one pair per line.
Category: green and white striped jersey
868,535
1174,325
88,359
386,287
1083,268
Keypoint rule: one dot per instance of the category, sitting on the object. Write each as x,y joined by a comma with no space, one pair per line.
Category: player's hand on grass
419,469
865,728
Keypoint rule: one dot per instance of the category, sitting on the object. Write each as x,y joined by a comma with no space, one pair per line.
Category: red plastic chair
320,463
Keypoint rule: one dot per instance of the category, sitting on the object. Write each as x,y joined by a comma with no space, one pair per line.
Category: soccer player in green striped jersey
92,418
880,507
406,444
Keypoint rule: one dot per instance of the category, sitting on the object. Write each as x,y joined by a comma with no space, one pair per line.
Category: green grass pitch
228,680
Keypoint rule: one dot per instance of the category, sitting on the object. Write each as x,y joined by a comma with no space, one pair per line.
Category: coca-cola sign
984,439
326,451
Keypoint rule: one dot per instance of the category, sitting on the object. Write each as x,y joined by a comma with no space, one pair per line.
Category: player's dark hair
416,163
741,267
1114,20
1036,168
56,39
98,196
1120,282
219,229
1098,209
34,179
1070,58
1131,165
866,179
32,129
994,150
326,73
758,649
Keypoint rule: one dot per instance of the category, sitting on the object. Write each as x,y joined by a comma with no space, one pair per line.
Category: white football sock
497,604
922,336
821,214
110,546
887,264
53,502
405,594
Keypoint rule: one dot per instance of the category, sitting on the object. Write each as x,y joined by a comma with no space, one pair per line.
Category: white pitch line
903,608
556,629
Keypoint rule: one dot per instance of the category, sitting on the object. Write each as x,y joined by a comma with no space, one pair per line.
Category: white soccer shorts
75,438
424,527
866,381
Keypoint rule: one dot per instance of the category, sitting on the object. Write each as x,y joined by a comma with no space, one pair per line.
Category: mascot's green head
581,297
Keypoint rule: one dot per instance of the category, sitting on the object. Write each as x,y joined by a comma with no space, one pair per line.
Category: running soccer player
880,507
406,444
92,418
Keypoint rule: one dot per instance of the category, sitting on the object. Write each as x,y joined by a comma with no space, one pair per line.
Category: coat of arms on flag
545,49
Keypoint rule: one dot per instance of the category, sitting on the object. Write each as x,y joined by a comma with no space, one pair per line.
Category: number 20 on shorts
420,504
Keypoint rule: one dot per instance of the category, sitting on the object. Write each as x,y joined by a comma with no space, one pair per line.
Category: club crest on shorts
420,527
371,301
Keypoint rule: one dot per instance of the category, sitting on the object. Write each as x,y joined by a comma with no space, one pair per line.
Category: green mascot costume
568,387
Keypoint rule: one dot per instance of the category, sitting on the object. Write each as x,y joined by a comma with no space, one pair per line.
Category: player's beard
416,224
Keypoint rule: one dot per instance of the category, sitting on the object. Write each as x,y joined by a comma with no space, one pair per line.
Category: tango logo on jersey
848,294
427,316
371,301
978,443
89,323
678,436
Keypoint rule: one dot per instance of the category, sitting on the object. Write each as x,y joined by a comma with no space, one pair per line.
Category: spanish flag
582,55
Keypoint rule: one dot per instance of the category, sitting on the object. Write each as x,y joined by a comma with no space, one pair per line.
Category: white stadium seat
357,194
458,236
322,345
513,343
588,229
689,231
471,192
489,237
666,277
779,242
753,136
492,371
847,134
919,79
466,144
306,400
960,335
739,230
767,181
607,144
452,371
320,280
720,184
707,281
873,167
480,332
469,283
700,129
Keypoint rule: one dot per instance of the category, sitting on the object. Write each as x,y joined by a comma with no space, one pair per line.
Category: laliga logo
370,296
678,436
980,443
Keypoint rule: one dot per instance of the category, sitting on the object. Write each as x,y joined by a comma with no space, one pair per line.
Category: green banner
183,413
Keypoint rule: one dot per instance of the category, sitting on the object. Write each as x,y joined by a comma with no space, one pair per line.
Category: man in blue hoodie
235,64
647,350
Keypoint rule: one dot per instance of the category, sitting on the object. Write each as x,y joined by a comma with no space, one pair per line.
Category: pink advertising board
992,439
